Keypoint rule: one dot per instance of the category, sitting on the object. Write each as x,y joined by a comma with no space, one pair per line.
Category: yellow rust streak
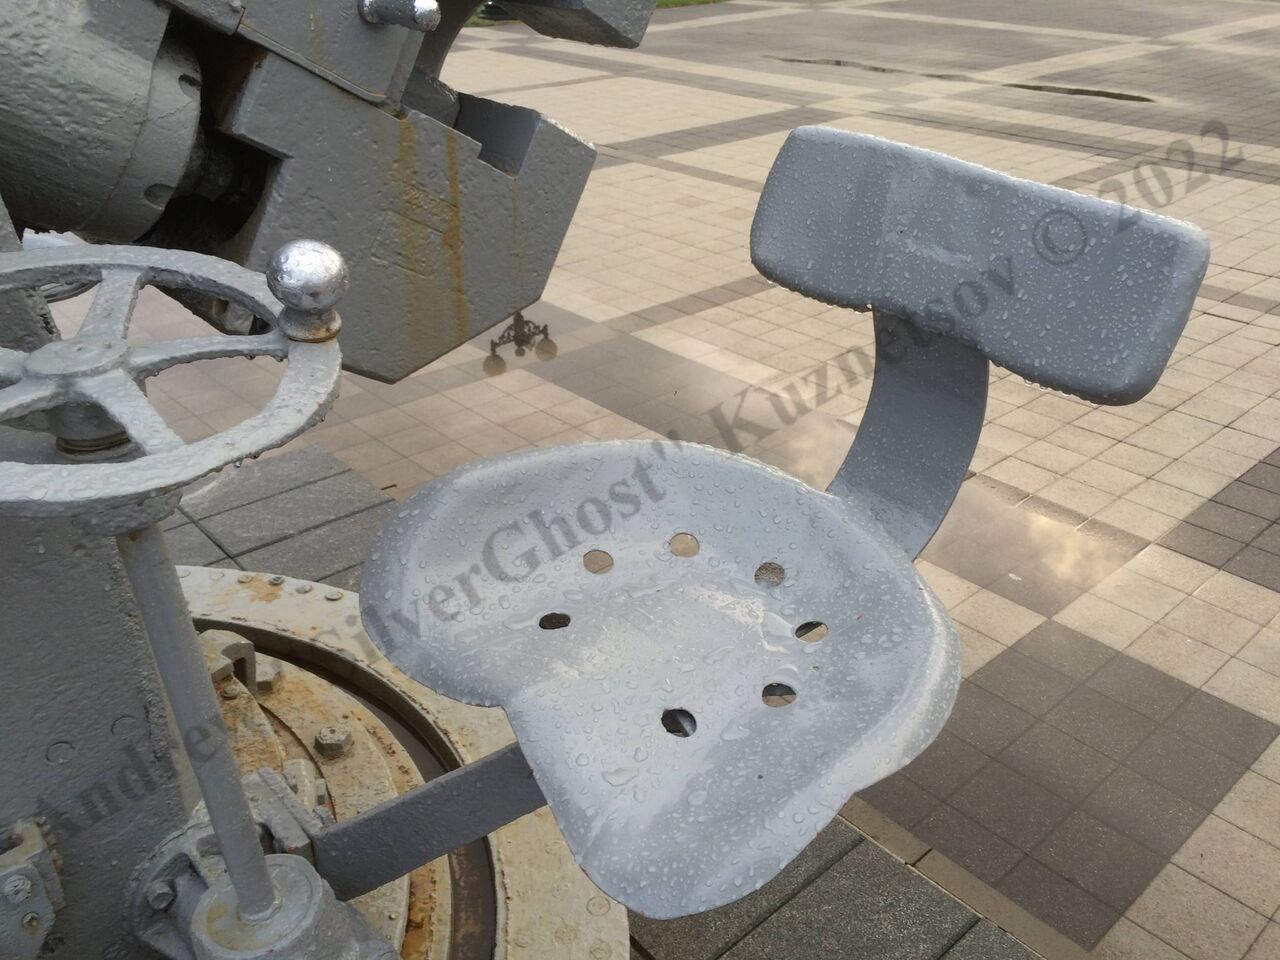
452,236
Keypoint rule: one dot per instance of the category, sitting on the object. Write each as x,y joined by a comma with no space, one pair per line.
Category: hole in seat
679,723
778,695
553,621
597,561
811,631
683,545
770,574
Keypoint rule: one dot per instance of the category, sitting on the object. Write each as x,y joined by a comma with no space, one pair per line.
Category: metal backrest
1071,291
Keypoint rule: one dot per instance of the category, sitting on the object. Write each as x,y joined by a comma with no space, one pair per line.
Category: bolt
31,922
17,889
333,742
269,677
275,580
160,895
303,588
333,595
230,692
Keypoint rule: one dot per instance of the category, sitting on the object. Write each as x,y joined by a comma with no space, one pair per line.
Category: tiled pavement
1111,569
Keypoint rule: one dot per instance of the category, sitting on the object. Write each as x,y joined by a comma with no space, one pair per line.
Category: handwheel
100,368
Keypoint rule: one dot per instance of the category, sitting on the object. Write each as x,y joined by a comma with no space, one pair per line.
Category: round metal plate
702,657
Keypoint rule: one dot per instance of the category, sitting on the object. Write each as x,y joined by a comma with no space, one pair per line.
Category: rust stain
263,590
452,236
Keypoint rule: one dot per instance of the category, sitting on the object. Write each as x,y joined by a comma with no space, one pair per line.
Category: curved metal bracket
918,433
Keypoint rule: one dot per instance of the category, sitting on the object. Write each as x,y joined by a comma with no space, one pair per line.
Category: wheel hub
75,357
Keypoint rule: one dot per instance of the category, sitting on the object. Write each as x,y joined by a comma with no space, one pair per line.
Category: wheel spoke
113,302
28,396
124,402
147,361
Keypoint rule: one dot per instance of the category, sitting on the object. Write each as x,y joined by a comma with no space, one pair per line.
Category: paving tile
1264,476
1140,687
265,521
1171,568
899,799
1254,805
323,551
1267,946
986,941
259,479
1210,624
1028,684
1066,907
711,933
1223,728
1128,941
1065,650
1263,651
1099,859
1235,862
868,905
984,720
1009,805
1241,597
1256,566
1104,621
1186,768
1167,650
1227,521
1144,811
188,544
945,765
1058,762
968,843
1247,687
1250,499
1203,922
997,617
1100,722
1200,544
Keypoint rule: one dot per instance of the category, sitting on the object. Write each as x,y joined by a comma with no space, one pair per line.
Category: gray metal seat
703,657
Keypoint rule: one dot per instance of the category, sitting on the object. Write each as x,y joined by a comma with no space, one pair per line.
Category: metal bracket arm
376,847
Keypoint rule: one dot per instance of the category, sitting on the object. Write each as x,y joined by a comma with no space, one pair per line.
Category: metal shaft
186,680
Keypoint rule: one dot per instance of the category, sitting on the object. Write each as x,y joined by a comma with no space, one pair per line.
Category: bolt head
160,895
31,922
17,889
308,275
332,742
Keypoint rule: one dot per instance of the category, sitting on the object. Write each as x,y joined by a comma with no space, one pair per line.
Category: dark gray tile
945,765
1100,722
866,905
968,843
1250,499
189,545
1269,540
1062,648
1123,545
1193,772
986,721
1264,476
1256,566
1099,859
899,799
1027,684
1036,589
1223,727
1201,544
1061,904
285,514
710,934
348,579
1151,692
323,551
1145,811
1058,762
1227,521
259,479
986,941
1010,805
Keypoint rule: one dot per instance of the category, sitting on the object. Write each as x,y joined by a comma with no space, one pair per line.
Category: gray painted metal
614,23
30,891
364,852
918,432
185,677
98,367
1074,292
459,585
420,15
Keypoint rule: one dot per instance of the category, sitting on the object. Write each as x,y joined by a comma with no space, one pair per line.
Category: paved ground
1110,782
